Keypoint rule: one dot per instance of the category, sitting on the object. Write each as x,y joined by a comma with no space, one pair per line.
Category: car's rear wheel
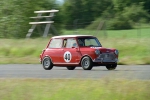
47,63
111,66
86,63
71,67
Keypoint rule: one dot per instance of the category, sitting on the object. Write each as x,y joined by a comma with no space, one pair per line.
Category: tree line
119,14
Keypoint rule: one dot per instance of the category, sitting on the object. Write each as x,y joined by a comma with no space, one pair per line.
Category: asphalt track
137,72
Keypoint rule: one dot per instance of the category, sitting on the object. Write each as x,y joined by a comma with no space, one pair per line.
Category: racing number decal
67,56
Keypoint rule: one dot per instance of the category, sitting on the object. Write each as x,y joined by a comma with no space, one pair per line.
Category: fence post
105,32
139,30
100,26
75,24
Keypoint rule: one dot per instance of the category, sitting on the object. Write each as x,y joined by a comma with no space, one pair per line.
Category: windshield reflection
88,42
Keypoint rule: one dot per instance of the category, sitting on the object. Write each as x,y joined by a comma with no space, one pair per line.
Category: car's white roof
65,36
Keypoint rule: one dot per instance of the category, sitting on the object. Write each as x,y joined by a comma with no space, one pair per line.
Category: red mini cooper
74,51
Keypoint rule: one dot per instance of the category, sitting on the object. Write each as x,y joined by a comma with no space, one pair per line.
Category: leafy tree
15,15
135,13
123,14
83,10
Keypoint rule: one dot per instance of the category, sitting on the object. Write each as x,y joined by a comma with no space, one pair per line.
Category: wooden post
30,31
100,26
39,16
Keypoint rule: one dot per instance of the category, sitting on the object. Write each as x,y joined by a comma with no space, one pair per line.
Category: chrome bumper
101,60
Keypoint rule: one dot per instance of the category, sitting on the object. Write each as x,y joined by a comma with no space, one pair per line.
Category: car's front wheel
47,63
86,63
111,66
71,67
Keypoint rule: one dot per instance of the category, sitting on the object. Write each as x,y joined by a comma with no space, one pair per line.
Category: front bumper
102,60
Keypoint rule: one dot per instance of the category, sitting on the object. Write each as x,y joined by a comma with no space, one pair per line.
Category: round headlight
97,52
116,52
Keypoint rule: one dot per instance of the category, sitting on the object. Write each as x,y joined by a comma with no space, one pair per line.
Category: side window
55,43
71,42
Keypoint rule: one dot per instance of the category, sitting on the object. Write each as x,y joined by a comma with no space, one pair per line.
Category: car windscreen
88,41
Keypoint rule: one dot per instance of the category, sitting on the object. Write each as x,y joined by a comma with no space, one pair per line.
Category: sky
60,1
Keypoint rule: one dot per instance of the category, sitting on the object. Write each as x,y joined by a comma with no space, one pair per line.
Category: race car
73,51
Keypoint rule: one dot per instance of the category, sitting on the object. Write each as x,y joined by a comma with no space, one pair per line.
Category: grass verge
74,89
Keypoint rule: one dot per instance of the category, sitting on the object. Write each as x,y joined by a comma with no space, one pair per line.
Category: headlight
116,52
97,52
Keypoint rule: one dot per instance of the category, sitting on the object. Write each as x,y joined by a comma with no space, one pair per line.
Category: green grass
133,33
74,89
21,50
133,49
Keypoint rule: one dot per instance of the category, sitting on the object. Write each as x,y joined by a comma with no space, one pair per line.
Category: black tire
71,67
47,63
111,66
86,63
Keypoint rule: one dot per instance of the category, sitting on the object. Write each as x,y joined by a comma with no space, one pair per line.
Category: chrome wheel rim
46,63
85,63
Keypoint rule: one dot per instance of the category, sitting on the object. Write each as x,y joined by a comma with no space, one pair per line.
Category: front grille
110,56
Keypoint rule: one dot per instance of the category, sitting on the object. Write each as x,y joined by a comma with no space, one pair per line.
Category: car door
70,53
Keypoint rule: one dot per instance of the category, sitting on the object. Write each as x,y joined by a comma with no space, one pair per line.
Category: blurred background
122,24
74,14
